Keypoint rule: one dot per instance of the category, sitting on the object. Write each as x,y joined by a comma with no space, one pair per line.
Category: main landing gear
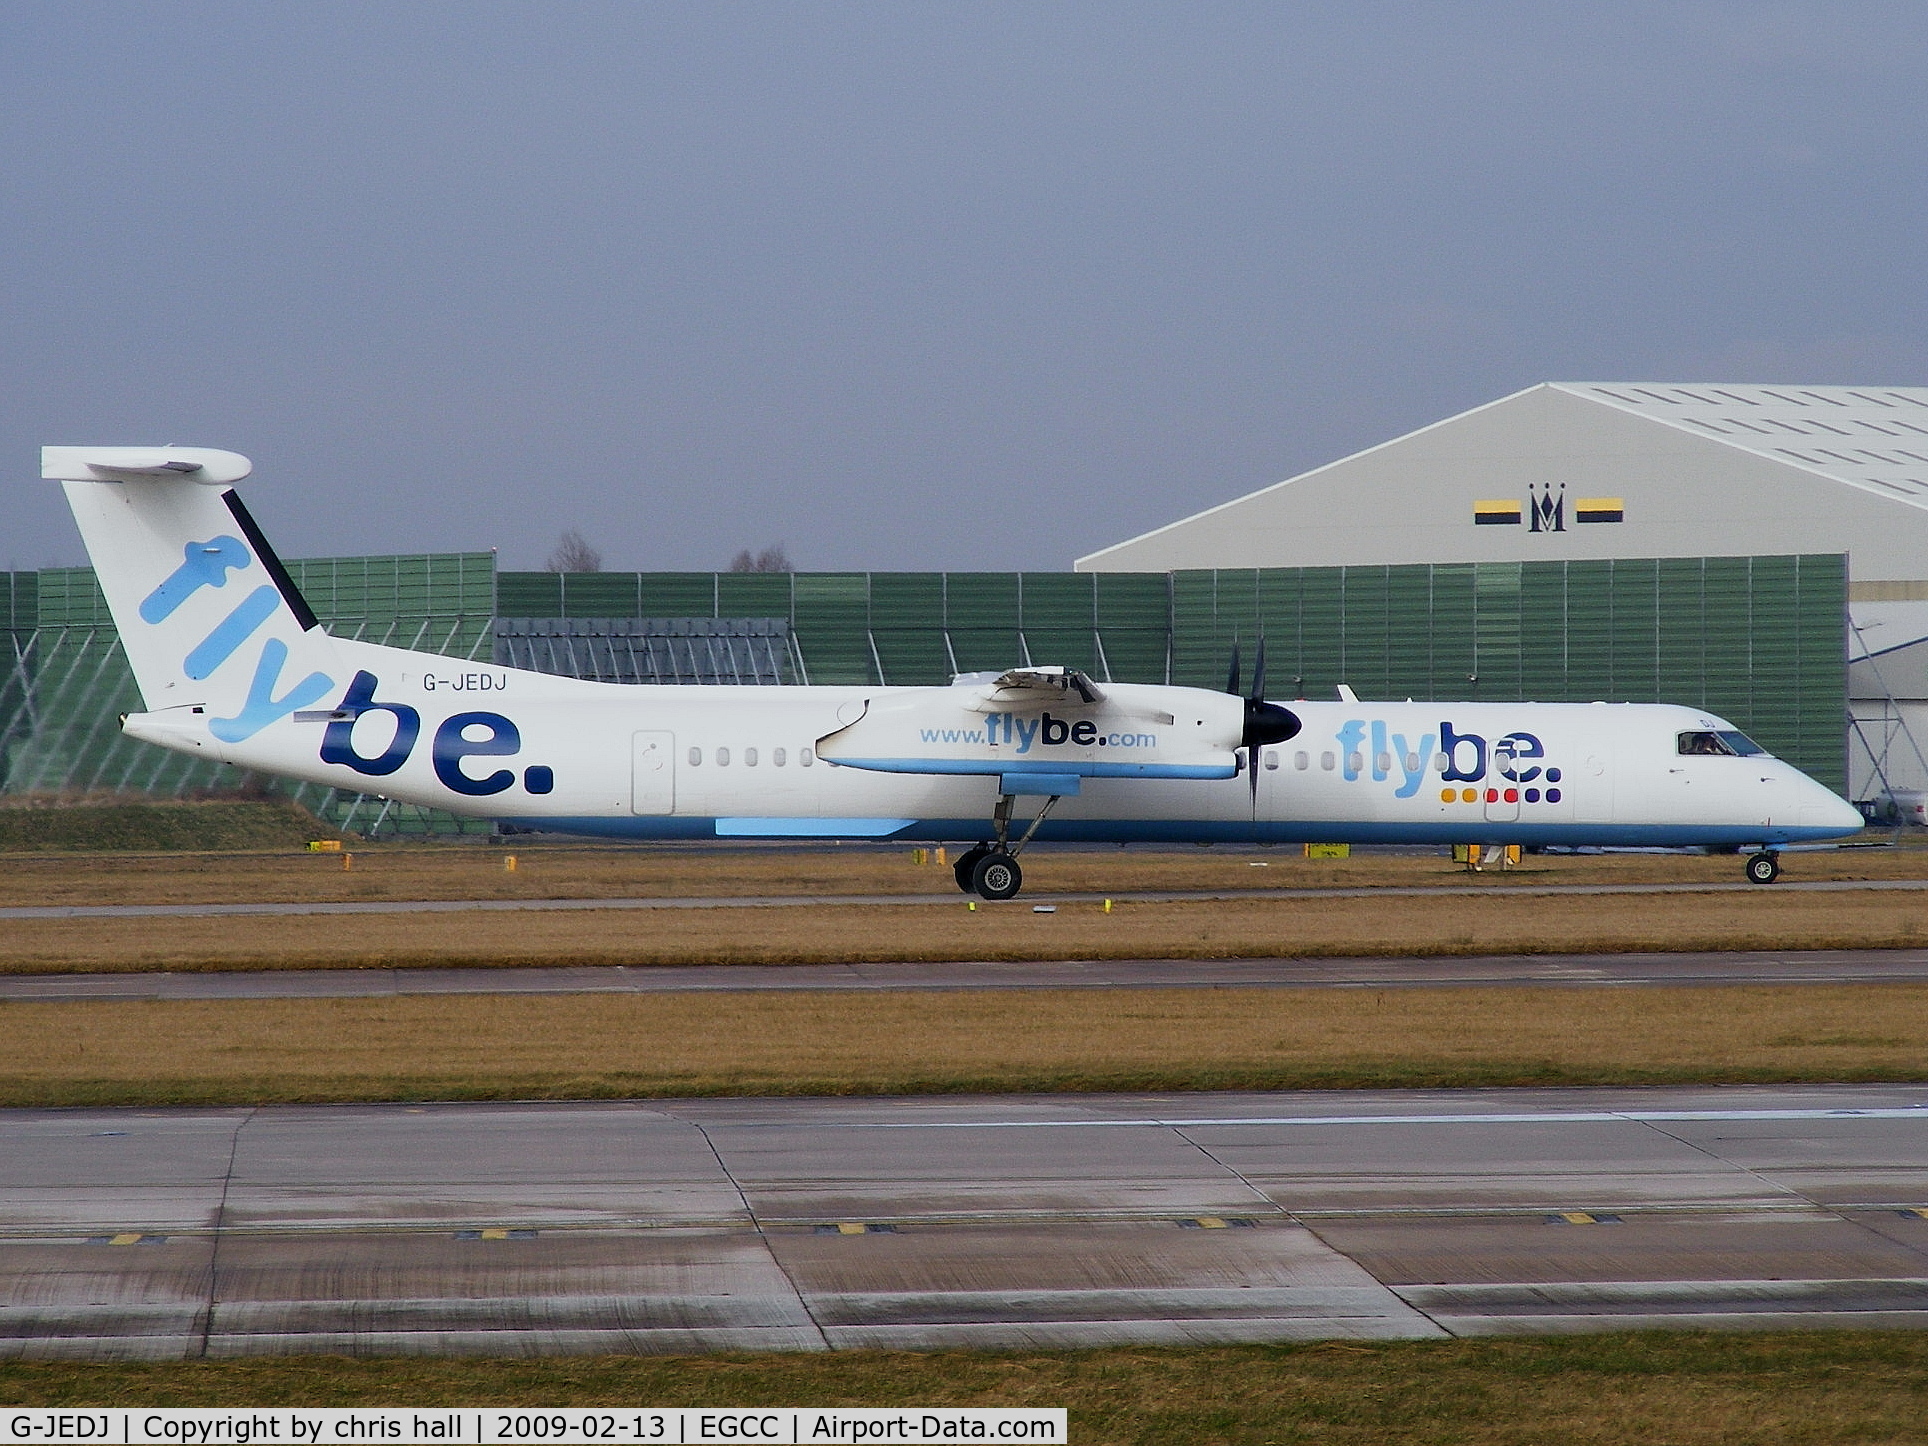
1763,867
991,870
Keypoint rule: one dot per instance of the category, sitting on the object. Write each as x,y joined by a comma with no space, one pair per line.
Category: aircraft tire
965,866
1763,868
997,876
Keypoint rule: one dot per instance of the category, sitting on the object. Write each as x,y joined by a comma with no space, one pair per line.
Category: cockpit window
1704,744
1723,743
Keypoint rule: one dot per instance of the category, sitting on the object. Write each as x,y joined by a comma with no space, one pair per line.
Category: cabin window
1412,763
1382,763
722,758
1271,760
1328,762
1302,761
696,758
1441,763
805,758
776,757
749,758
1355,763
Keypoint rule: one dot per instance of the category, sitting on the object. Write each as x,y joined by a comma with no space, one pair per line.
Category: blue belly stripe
1189,830
811,827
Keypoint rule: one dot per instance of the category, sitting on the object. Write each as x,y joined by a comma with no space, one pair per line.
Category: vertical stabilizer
211,622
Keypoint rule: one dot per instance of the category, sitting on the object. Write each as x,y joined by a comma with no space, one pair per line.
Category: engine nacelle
1132,731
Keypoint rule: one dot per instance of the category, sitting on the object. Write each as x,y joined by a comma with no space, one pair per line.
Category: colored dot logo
1495,795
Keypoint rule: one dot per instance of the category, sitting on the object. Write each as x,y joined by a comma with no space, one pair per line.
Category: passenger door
652,774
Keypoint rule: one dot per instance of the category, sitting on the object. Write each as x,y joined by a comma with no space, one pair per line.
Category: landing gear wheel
964,866
1763,868
997,876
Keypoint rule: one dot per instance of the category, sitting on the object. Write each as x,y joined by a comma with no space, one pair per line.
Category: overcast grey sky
909,285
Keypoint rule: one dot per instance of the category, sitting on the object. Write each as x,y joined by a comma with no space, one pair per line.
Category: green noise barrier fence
1760,640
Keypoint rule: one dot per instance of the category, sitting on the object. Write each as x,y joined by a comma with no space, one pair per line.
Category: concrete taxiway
811,901
1030,1221
1834,966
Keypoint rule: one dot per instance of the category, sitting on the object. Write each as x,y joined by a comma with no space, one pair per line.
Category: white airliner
232,665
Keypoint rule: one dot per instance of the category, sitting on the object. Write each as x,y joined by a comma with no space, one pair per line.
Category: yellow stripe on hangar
1489,512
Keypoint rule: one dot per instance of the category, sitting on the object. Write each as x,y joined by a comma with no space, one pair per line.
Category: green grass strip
1785,1388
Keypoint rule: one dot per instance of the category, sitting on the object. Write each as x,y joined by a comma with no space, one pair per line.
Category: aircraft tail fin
211,622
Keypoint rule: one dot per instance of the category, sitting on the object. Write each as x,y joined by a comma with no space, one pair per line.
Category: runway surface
1838,966
1027,1221
800,901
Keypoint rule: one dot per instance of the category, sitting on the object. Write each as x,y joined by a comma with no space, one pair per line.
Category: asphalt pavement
1836,966
814,1224
802,901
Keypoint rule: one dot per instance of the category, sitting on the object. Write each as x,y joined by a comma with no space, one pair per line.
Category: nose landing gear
1763,867
991,870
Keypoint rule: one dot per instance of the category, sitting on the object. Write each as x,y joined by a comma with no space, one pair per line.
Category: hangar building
1570,472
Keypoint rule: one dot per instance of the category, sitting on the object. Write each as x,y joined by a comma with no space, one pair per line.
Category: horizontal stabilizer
122,464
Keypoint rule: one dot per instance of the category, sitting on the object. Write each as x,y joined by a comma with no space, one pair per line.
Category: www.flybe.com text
1022,733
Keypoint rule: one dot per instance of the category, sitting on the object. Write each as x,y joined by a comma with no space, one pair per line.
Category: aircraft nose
1824,808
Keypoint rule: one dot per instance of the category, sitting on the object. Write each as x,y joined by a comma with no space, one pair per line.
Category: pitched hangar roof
1874,439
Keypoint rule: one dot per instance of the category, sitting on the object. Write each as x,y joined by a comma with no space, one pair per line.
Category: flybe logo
1512,767
459,737
1023,733
207,565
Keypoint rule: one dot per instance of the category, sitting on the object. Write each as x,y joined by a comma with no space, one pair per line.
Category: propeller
1264,722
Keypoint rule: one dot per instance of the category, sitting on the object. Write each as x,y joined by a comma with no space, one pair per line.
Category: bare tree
772,559
573,554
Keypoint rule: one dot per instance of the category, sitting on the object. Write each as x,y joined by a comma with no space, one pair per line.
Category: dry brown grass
552,871
1813,1388
595,1046
1490,922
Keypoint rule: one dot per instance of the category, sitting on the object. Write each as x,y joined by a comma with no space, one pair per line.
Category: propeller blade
1258,671
1231,678
1253,755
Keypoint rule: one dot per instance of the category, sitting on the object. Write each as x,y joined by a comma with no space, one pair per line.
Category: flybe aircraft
232,665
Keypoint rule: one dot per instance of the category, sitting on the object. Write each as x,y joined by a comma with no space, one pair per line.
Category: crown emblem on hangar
1545,509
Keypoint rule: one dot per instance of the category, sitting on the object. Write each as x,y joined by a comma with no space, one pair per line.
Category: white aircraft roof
1874,438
